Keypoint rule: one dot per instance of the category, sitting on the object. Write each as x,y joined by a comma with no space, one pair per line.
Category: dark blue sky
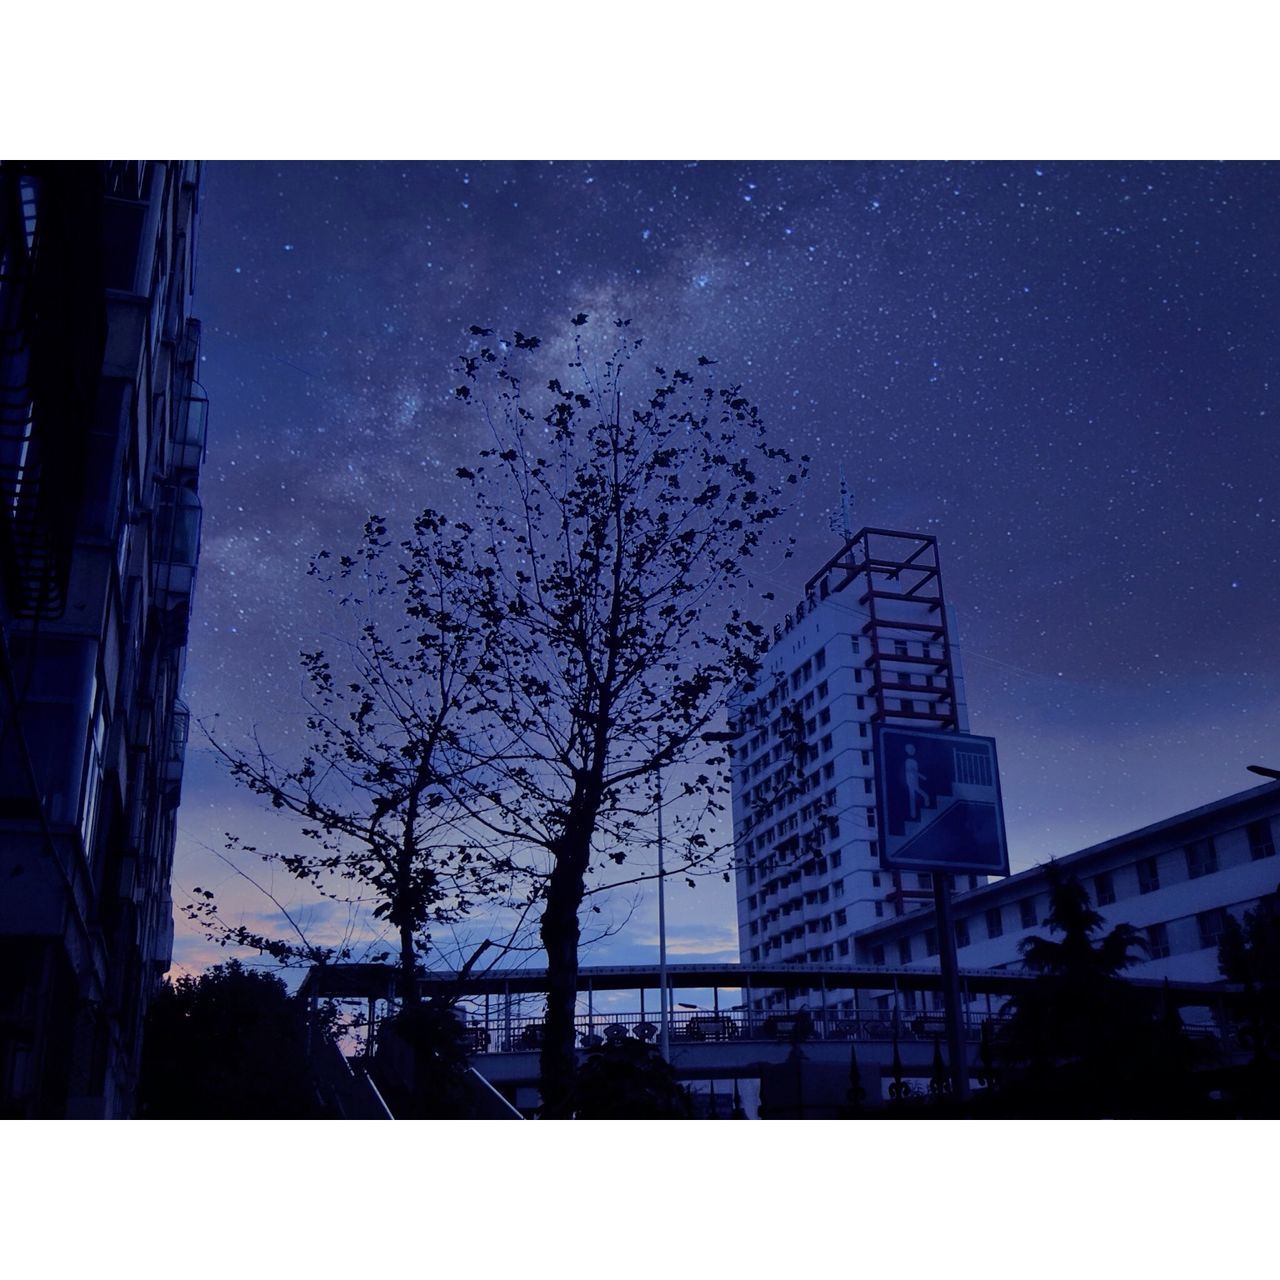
1067,371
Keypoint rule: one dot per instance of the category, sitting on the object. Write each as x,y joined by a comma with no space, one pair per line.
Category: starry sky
1068,372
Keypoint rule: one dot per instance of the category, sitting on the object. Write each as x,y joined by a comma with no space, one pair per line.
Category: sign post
940,812
951,988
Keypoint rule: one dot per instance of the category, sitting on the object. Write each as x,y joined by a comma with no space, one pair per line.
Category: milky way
1067,372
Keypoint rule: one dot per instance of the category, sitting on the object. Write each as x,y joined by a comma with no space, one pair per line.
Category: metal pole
664,1034
950,985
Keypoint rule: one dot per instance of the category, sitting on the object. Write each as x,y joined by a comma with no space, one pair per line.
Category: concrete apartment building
102,430
872,639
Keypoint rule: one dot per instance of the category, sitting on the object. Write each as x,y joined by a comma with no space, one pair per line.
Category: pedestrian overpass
886,1022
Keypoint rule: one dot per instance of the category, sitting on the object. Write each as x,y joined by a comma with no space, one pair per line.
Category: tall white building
872,639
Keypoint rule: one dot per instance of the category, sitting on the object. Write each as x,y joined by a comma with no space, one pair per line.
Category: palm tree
1081,1040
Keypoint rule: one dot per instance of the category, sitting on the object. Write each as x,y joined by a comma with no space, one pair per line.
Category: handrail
524,1033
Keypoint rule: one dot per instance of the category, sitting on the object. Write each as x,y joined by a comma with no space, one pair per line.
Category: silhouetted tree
386,716
617,512
228,1045
1249,954
1083,1041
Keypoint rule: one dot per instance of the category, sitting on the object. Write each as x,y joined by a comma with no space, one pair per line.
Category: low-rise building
1175,881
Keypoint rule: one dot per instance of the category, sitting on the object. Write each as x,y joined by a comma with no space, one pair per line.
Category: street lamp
664,1032
664,1022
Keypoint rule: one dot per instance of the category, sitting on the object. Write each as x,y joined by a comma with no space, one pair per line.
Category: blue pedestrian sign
939,802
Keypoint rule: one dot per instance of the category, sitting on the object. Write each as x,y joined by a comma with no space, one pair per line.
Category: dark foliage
629,1081
228,1045
421,1064
1250,955
1082,1041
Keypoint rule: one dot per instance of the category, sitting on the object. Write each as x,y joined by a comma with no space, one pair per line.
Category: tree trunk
560,933
408,968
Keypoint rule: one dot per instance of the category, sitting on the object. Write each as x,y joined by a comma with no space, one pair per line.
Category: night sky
1068,372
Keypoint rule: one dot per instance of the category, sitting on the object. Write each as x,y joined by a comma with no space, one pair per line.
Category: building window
1027,909
871,817
875,879
879,910
877,955
842,947
924,880
1157,942
931,942
1210,924
995,925
904,951
900,648
1148,876
1104,889
1261,844
1202,859
962,933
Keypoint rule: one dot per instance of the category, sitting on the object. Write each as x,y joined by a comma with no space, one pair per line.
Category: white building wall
1179,914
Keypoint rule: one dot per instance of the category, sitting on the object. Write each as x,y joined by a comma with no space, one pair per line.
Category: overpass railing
523,1033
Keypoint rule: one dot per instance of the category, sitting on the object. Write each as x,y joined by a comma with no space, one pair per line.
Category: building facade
1175,881
102,432
872,641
